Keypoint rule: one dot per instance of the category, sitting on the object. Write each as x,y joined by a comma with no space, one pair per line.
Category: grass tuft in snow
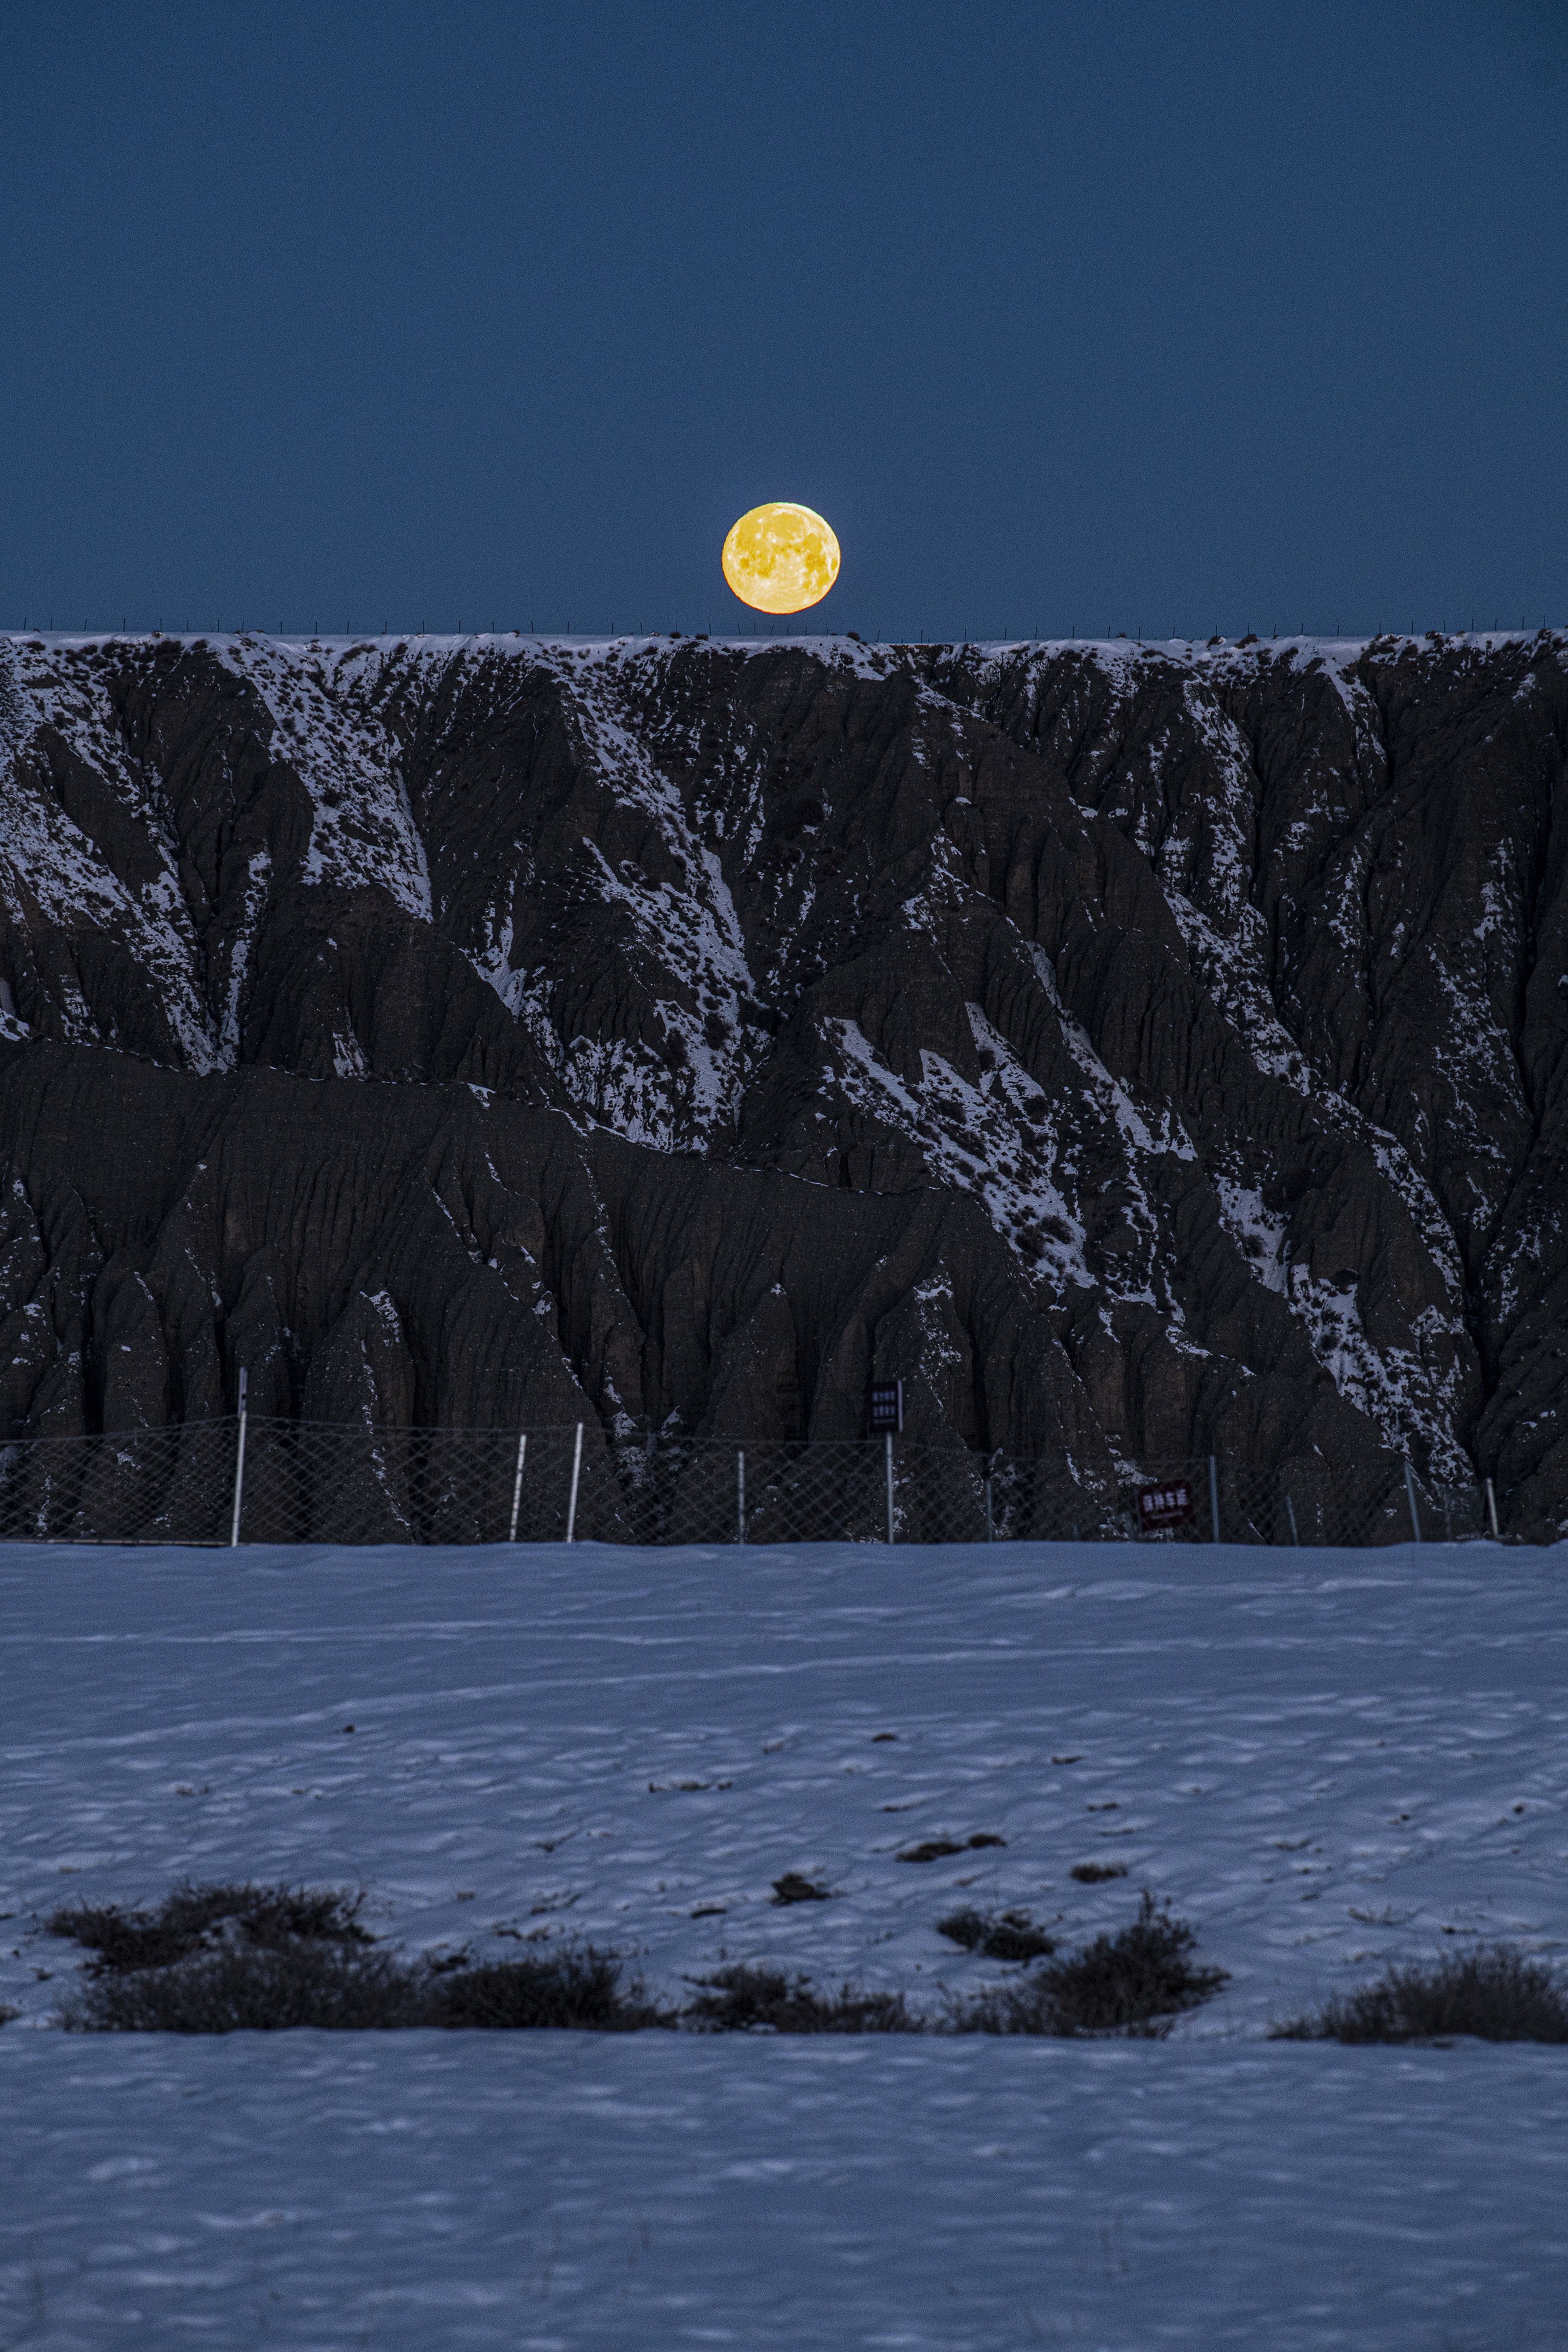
1095,1874
1011,1937
938,1849
1135,1983
745,1999
1496,1994
794,1887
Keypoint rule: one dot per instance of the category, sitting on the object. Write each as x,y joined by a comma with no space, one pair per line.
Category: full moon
781,557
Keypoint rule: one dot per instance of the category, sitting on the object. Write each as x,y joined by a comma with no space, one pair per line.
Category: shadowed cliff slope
1143,1050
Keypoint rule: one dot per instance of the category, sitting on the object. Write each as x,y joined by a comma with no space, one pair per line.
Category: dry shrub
1496,1994
744,1998
269,1989
232,1957
191,1919
575,1988
1134,1983
253,1987
1011,1937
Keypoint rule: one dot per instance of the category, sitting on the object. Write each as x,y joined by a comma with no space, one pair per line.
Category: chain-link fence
252,1480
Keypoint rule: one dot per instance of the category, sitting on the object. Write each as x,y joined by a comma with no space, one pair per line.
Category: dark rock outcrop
1144,1052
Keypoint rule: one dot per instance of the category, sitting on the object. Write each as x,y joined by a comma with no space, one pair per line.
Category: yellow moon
781,557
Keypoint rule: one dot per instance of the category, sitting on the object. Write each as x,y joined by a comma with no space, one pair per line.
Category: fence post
1491,1512
889,1485
517,1485
239,1463
1214,1499
1290,1514
576,1474
1410,1498
741,1496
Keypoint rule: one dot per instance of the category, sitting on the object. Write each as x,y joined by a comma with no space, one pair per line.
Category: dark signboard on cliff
886,1408
1170,1505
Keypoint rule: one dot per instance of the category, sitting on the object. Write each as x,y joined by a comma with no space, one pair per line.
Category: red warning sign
1170,1505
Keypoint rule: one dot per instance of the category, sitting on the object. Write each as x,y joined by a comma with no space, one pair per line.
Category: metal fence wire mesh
288,1482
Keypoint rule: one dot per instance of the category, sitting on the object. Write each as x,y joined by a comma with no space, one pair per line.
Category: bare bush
745,1999
226,1958
576,1989
1496,1994
1134,1983
253,1987
191,1919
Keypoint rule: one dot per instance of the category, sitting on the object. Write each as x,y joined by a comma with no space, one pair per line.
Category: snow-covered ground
1322,1759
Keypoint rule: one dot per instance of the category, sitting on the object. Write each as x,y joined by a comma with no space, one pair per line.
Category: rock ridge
1144,1050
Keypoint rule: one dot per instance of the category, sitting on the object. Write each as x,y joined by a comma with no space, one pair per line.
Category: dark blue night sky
1148,317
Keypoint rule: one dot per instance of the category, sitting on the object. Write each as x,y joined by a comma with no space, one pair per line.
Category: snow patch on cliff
362,828
682,1094
50,868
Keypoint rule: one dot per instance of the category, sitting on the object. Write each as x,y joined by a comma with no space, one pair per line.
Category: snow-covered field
1322,1759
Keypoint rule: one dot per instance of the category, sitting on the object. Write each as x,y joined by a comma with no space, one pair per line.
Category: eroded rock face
1144,1052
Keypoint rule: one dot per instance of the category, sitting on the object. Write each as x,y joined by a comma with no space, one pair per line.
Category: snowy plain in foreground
1324,1760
